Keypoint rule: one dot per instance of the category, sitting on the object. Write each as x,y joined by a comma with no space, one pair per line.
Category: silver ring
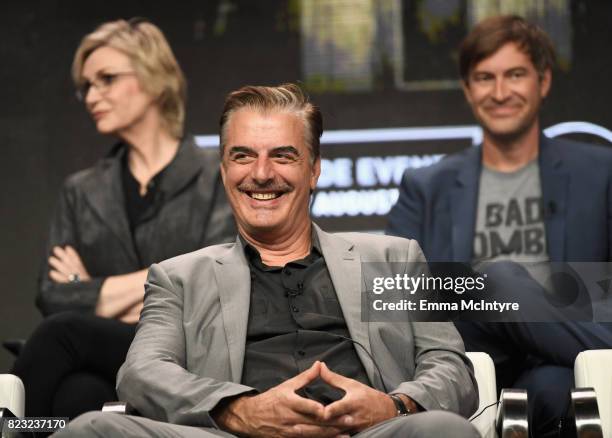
74,278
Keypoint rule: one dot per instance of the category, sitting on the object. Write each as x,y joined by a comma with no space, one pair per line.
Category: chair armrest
592,370
484,371
585,413
512,415
12,394
119,407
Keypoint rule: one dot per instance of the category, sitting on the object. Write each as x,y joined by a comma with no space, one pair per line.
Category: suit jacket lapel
105,195
463,202
234,286
554,181
344,265
186,165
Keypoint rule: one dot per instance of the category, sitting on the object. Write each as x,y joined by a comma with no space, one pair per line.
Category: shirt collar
185,165
254,258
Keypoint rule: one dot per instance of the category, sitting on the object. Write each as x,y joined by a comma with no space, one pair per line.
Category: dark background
45,134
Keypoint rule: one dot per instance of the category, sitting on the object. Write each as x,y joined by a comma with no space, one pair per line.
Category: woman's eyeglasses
102,83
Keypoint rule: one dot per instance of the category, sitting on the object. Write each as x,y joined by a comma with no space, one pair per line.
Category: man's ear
545,83
222,169
465,86
316,172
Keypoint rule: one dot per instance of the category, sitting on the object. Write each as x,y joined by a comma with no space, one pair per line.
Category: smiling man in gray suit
264,337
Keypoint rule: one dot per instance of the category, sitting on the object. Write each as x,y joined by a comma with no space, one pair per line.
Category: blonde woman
155,195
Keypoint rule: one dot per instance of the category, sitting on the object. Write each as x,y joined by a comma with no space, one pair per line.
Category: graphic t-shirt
510,216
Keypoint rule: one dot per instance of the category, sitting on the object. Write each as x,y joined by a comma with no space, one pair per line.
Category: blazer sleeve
153,378
406,217
444,376
55,297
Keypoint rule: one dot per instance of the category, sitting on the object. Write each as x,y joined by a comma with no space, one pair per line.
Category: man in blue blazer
518,197
437,204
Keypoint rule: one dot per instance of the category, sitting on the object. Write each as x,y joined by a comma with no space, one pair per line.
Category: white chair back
487,393
12,394
592,369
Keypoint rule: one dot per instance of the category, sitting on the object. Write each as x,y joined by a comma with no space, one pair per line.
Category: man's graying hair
285,97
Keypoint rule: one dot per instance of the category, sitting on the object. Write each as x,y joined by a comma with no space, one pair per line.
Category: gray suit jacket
189,347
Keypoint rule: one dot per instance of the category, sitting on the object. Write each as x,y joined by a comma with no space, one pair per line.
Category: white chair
507,418
484,371
12,394
592,369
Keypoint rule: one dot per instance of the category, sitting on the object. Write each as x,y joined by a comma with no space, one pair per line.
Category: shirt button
295,309
302,353
287,273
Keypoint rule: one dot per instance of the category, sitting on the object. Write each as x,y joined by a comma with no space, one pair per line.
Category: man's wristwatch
402,410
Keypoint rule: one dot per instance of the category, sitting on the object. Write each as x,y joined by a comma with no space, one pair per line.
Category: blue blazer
437,204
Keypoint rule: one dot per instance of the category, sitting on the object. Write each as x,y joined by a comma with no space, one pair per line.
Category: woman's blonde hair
152,59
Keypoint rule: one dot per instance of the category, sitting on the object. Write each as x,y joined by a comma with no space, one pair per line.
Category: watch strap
400,406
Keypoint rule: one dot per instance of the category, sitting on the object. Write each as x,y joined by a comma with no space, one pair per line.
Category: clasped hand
66,262
281,412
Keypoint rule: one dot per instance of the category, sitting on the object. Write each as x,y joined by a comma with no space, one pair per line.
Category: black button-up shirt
137,206
295,319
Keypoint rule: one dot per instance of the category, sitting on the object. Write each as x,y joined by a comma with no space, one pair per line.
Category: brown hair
285,97
152,59
491,34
